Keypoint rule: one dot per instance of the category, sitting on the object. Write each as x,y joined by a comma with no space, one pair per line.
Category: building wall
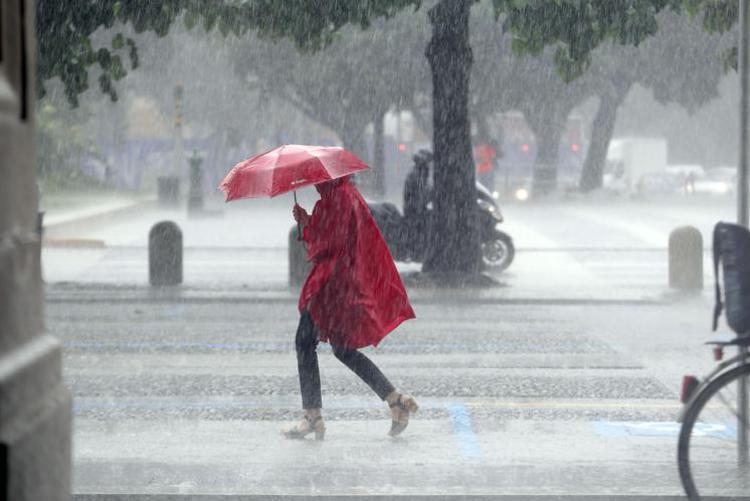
35,451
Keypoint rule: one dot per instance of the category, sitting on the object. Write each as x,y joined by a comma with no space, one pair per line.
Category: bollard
165,254
299,267
686,258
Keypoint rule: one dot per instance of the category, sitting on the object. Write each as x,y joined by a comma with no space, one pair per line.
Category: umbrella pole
299,230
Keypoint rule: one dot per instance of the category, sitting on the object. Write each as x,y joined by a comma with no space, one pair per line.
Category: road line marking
620,429
575,405
462,430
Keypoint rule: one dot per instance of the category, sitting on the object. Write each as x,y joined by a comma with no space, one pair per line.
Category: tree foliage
64,29
348,83
577,27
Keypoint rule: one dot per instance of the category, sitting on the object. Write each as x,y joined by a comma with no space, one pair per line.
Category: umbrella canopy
287,168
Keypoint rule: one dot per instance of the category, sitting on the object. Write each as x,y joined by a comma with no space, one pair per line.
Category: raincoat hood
327,188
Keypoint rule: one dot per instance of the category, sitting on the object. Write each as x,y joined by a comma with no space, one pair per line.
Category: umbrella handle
299,229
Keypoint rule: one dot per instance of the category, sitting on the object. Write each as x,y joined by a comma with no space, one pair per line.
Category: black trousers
306,343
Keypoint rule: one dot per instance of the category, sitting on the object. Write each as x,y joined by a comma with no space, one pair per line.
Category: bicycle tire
689,420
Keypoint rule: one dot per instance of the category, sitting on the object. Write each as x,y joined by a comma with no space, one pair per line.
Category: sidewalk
66,208
68,215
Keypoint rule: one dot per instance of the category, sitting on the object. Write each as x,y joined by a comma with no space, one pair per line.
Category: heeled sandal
400,409
309,425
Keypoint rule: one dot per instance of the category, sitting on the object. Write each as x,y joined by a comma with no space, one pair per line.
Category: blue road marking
462,430
619,429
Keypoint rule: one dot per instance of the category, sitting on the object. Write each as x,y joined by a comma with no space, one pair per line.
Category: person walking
352,298
417,197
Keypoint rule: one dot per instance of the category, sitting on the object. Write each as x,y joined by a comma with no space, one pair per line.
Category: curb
106,215
177,295
88,243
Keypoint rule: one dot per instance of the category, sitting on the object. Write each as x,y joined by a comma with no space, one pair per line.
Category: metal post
742,210
178,147
742,403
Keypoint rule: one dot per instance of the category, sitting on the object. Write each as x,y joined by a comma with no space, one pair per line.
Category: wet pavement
190,398
560,383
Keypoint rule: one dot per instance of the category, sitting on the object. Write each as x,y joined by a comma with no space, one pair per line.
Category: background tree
681,63
350,83
69,48
64,29
61,144
546,102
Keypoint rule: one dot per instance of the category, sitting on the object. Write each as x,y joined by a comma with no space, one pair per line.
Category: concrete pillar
686,259
35,407
299,267
165,254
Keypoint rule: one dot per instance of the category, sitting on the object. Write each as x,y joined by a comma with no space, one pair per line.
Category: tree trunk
454,240
547,154
602,129
547,123
378,155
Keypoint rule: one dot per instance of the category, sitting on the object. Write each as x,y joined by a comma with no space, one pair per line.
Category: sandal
307,426
400,409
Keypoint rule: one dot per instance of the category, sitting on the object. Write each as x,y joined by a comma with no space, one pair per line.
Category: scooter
498,250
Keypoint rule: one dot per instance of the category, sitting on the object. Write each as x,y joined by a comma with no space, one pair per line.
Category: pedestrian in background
352,298
484,158
417,198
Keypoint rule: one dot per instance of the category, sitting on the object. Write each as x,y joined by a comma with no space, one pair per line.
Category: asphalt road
189,398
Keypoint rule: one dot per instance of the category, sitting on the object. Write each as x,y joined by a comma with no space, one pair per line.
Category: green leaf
118,42
117,70
132,53
104,58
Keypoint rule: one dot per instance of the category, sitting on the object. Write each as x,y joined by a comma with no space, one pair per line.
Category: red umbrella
287,168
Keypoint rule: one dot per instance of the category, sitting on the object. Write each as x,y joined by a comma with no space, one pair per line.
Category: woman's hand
300,215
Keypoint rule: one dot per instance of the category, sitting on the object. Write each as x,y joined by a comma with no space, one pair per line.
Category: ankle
313,413
392,397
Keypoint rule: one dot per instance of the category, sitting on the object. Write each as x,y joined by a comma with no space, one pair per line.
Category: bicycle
712,453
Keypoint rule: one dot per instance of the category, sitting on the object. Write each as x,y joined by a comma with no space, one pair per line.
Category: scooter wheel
498,252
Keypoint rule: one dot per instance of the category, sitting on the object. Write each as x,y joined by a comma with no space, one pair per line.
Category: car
715,182
726,173
661,183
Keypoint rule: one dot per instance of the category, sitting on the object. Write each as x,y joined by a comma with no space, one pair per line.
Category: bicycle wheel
710,460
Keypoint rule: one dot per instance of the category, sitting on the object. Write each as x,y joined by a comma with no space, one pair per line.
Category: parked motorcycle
498,250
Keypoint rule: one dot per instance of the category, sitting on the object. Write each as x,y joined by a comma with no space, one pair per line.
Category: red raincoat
353,292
